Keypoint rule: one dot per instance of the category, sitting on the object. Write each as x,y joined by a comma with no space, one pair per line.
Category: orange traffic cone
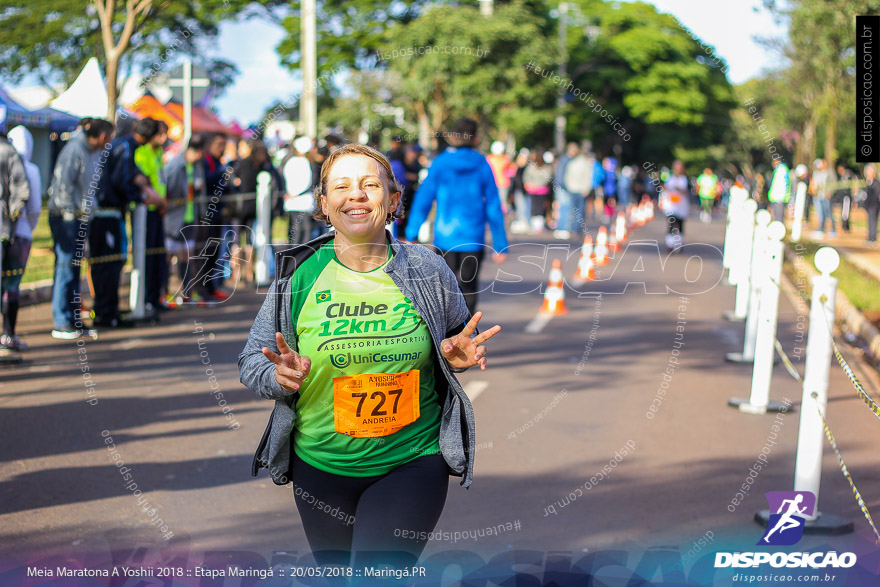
620,228
613,245
602,247
554,296
649,210
585,270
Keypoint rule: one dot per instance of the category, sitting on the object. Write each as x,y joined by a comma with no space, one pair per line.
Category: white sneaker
518,227
67,333
561,235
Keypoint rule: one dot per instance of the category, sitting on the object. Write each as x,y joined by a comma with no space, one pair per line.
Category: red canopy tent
203,121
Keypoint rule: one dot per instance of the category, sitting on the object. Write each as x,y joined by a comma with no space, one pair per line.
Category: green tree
453,63
370,105
55,39
654,79
349,32
820,51
652,76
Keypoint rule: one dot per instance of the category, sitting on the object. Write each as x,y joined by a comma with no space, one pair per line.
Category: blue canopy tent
17,114
59,122
45,124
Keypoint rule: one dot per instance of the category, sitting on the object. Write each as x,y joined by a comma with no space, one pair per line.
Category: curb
843,308
862,264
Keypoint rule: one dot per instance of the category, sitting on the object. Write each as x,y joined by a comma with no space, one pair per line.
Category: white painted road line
474,388
128,344
538,323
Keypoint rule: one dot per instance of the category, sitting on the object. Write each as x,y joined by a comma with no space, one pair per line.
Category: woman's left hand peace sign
461,351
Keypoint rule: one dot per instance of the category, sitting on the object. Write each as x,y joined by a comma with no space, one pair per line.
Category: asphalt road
553,409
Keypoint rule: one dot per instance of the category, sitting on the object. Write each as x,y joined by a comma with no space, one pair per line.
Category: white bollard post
811,432
739,271
138,289
262,239
768,315
756,269
738,197
811,435
742,230
800,204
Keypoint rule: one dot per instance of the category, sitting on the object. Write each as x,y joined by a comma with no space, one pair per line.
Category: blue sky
729,26
262,79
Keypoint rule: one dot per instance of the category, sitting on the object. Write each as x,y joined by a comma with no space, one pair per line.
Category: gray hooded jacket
14,188
23,141
423,277
74,170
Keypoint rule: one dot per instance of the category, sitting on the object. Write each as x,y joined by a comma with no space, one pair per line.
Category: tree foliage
53,39
349,31
666,87
453,63
651,78
814,91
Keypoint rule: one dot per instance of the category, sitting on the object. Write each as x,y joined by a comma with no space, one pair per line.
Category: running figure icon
786,526
785,521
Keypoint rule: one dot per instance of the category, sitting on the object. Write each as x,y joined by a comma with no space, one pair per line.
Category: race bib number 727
375,404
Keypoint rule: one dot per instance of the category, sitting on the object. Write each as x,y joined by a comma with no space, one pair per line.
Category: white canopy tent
87,95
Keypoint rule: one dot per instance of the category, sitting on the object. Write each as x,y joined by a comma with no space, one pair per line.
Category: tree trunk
112,74
483,133
831,135
114,50
424,125
806,148
437,112
510,145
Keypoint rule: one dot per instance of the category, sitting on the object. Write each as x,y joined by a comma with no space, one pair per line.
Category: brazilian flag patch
322,296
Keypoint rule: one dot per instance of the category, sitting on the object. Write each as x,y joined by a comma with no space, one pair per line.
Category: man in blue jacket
121,184
461,181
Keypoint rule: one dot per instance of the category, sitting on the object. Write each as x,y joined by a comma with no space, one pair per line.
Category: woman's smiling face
358,198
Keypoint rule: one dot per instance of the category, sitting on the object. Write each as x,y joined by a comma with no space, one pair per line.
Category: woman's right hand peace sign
290,368
462,352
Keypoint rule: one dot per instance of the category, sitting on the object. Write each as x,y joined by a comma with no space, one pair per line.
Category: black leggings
384,519
466,267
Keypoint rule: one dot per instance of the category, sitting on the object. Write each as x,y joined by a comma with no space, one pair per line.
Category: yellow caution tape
789,366
869,401
106,258
226,198
96,260
845,471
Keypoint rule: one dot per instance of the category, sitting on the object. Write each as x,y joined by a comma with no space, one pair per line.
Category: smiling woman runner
357,342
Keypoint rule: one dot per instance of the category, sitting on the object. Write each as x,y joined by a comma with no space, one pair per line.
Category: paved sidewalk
851,244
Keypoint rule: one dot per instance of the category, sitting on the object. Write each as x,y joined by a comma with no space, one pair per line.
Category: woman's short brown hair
354,149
